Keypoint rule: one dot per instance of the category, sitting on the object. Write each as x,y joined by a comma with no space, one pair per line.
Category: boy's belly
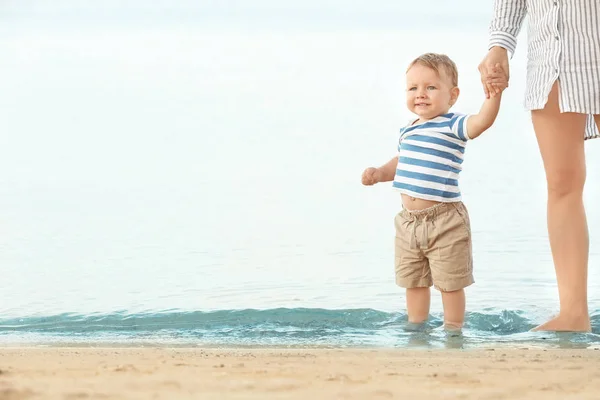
412,203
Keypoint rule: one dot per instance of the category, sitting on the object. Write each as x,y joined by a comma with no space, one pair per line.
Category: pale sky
270,14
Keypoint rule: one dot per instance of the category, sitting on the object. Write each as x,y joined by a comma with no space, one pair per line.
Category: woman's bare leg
560,138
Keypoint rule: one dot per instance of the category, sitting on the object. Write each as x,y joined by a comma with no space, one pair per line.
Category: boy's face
428,94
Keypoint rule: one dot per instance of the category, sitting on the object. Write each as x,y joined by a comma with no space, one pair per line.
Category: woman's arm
506,23
504,29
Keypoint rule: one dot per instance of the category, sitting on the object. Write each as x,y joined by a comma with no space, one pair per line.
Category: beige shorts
433,247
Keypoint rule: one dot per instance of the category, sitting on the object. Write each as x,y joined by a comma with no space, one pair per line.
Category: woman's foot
566,324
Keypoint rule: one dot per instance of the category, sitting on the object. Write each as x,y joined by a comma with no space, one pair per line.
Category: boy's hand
371,176
498,79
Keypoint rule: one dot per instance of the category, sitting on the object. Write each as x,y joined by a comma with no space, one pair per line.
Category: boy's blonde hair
435,62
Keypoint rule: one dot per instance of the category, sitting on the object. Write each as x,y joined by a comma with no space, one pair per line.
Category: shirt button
555,3
556,37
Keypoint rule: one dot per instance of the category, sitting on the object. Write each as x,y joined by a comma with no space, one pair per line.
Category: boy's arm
387,171
479,123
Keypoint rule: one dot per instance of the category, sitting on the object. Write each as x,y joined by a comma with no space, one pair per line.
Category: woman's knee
561,142
564,182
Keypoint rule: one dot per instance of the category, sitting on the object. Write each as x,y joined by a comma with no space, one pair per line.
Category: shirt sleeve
459,126
399,142
401,135
506,23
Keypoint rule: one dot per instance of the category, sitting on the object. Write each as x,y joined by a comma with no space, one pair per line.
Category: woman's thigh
560,139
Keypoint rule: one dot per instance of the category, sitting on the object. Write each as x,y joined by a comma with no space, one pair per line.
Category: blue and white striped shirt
430,158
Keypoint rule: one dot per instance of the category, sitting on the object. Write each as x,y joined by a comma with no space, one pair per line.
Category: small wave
279,326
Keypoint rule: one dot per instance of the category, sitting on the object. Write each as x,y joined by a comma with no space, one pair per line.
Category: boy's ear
454,92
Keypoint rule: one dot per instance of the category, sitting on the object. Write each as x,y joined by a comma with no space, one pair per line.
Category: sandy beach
179,373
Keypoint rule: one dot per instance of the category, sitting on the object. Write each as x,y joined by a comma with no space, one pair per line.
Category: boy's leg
454,308
451,260
417,304
412,270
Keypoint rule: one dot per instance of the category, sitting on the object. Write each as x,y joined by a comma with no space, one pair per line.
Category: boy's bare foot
565,324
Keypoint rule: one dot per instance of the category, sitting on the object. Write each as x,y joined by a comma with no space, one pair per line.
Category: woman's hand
494,71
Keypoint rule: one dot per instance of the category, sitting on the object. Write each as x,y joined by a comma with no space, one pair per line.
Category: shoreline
258,373
539,340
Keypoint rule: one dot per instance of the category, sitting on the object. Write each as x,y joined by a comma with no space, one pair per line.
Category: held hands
371,176
494,72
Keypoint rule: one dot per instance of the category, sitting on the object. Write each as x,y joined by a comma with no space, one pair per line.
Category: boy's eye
430,87
413,88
